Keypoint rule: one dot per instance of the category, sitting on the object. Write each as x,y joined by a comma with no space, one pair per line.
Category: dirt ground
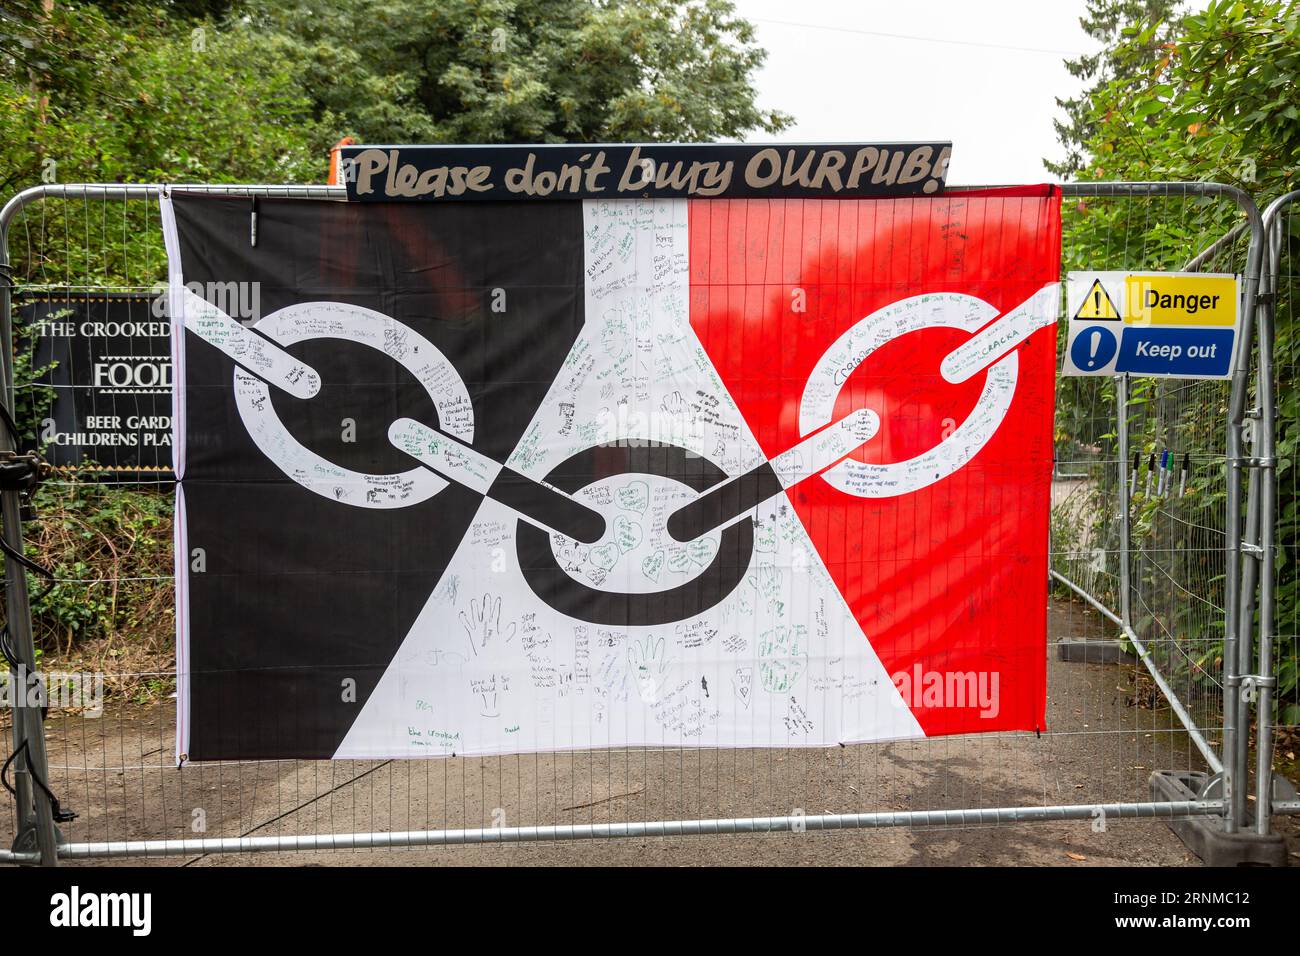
1102,744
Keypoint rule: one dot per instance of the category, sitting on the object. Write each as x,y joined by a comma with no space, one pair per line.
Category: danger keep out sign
1171,324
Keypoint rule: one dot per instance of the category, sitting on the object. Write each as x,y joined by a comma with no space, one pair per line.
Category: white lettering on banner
404,179
103,330
824,170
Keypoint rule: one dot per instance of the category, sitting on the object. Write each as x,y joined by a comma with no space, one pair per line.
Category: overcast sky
994,100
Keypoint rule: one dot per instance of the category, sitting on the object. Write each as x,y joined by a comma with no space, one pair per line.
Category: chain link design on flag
628,480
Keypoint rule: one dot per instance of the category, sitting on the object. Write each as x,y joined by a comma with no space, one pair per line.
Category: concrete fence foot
1205,836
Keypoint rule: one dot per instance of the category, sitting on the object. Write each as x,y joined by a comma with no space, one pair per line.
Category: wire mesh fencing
1279,659
82,256
1141,527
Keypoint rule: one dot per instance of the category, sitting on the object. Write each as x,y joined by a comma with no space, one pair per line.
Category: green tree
1103,21
259,90
489,71
85,97
1221,105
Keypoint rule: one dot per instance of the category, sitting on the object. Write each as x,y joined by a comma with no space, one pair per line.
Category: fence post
1125,502
1267,451
1240,581
1265,475
35,814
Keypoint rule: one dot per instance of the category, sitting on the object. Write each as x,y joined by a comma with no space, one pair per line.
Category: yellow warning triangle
1097,305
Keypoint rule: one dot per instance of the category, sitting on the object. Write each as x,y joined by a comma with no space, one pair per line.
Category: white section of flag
489,668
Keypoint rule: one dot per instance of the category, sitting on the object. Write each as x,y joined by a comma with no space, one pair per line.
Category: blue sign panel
1166,350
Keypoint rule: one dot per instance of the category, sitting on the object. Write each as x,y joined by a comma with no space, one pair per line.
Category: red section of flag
948,582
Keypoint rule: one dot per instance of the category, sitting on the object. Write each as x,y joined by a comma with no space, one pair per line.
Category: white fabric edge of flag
180,545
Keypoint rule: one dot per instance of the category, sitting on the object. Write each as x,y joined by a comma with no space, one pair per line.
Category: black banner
107,358
644,171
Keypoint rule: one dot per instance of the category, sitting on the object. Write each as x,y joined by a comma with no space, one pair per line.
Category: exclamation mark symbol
1094,343
1096,299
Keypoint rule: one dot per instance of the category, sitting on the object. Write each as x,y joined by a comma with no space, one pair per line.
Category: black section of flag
301,594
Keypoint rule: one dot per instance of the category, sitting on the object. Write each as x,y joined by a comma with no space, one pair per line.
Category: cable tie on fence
1249,680
252,224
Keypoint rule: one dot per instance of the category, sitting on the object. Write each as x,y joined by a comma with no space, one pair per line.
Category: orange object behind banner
334,159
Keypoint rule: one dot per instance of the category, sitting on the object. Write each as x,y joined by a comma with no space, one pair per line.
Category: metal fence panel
1147,593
